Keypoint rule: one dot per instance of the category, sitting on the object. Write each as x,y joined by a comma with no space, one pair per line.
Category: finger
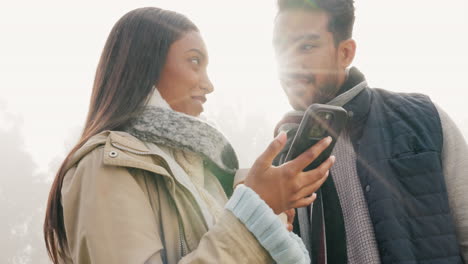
275,147
310,155
306,201
289,227
312,176
311,188
307,178
290,214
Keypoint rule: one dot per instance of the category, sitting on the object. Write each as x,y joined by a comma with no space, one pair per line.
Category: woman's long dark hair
130,64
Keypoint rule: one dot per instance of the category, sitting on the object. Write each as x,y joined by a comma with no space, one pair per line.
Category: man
398,192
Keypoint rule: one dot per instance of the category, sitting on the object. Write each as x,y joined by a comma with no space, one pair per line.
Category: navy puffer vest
399,165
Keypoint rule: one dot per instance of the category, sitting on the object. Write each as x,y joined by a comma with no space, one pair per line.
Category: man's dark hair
340,13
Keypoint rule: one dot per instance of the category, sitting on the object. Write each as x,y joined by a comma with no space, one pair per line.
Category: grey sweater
455,165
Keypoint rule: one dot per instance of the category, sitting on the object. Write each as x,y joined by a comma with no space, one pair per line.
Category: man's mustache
295,76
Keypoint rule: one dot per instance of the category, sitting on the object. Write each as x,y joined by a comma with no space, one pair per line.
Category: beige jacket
124,202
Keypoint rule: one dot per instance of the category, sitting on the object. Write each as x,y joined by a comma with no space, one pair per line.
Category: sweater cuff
264,224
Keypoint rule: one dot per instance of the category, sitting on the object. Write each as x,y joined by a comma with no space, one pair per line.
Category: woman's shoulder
104,143
111,149
110,158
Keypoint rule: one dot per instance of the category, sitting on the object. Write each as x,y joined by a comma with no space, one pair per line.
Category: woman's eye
195,60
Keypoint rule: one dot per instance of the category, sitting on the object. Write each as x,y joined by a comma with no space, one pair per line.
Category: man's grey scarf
180,131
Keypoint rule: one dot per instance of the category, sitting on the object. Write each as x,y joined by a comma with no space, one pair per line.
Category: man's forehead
294,25
301,20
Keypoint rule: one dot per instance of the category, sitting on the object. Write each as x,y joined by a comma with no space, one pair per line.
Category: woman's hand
287,186
288,218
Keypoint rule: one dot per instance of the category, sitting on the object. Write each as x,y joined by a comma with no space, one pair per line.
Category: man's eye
307,47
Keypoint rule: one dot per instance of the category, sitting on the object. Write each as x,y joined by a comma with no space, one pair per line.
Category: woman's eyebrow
197,51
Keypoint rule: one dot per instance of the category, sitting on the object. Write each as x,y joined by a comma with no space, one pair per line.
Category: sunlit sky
49,51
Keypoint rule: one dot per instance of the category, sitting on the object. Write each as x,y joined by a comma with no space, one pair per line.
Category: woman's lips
202,99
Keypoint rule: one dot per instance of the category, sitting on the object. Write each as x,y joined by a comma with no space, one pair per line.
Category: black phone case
302,141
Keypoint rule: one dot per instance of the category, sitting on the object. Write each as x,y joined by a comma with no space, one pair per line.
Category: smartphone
318,122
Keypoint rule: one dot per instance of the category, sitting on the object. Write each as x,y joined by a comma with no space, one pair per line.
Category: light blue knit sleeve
265,225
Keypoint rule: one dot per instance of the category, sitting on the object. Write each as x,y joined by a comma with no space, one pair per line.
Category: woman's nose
207,85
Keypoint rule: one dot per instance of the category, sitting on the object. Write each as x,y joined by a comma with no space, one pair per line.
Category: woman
148,181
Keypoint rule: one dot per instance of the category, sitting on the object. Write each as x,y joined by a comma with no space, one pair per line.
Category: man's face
307,57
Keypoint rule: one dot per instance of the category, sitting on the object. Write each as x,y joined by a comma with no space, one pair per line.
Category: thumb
273,149
291,213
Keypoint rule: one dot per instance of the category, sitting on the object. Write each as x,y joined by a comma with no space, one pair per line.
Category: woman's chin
192,111
197,109
198,113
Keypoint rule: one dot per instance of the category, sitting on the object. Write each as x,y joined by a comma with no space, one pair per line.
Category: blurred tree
23,195
248,132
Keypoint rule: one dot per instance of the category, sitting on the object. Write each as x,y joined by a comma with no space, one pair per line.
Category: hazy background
49,51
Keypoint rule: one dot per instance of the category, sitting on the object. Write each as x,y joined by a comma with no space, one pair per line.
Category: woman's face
184,82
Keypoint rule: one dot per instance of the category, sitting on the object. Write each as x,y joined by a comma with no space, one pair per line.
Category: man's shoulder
389,95
407,111
402,100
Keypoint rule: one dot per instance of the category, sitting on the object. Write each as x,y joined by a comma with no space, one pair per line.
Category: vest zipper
182,245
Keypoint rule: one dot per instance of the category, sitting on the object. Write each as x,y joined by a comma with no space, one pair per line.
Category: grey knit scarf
180,131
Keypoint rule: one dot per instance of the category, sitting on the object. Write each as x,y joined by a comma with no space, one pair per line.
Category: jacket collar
125,150
358,107
121,149
361,103
354,96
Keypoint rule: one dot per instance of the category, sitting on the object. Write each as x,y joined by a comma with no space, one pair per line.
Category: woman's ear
346,52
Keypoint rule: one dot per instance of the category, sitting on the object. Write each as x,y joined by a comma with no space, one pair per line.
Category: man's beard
316,91
327,91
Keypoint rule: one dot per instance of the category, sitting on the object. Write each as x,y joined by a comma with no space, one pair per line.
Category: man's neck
353,78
